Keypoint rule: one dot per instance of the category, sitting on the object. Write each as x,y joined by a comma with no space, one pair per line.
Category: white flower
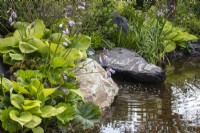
65,44
66,31
71,23
61,25
81,7
14,14
10,19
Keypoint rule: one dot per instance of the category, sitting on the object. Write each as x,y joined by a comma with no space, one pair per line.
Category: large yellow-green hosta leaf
38,130
58,62
22,118
49,111
72,55
34,122
26,47
30,104
35,29
185,37
18,88
82,42
48,91
7,84
55,48
169,46
40,45
16,56
8,42
17,100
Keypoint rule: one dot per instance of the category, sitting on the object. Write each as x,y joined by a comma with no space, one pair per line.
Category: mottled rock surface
121,22
132,66
94,86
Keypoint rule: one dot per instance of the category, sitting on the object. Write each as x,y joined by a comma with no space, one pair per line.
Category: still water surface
173,107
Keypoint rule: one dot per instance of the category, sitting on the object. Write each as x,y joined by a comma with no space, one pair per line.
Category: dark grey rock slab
132,66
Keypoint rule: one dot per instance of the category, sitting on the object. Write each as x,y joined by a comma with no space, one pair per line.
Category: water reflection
170,108
187,102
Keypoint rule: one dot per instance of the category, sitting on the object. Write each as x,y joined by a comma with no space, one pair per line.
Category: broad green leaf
9,50
71,55
22,118
57,38
68,115
40,45
87,114
18,57
30,104
34,122
78,92
18,35
17,100
20,25
8,42
7,84
33,90
7,59
35,111
49,111
185,37
26,48
38,130
19,88
8,124
58,62
35,29
55,47
171,35
83,42
48,92
169,46
37,86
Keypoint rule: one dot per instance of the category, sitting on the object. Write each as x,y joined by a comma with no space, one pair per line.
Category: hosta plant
47,94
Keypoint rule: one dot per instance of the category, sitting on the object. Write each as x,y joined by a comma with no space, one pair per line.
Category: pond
168,108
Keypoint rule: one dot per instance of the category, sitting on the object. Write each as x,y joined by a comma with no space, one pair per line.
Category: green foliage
7,123
188,16
36,94
87,114
36,9
152,37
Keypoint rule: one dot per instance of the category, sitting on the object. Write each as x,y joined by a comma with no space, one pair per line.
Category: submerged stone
132,66
94,85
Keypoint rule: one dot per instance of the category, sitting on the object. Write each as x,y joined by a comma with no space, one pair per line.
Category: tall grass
145,36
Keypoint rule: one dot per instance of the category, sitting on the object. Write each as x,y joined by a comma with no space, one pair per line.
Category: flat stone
94,85
133,66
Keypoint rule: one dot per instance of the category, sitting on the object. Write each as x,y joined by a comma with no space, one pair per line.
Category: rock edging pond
94,85
129,64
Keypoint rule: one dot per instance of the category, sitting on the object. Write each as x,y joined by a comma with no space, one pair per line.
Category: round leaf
49,111
34,122
21,118
26,47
